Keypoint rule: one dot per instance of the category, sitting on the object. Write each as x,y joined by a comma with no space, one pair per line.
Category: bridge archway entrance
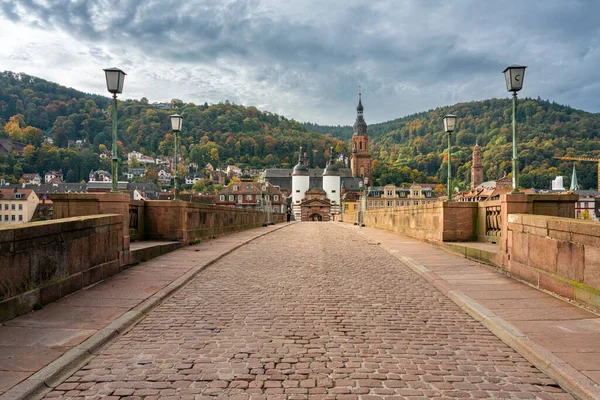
315,217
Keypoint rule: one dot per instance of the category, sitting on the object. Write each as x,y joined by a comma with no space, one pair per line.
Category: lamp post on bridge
364,184
514,76
449,126
114,83
176,122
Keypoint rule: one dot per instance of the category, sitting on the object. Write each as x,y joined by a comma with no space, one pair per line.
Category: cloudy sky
306,58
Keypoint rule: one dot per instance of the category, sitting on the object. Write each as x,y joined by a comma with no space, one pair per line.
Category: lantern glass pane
121,81
449,123
517,78
507,78
176,122
112,81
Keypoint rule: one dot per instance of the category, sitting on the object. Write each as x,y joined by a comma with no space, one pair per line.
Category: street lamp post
176,122
114,83
449,126
363,206
514,76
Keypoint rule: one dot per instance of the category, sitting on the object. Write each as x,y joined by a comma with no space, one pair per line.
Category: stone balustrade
41,262
89,240
561,255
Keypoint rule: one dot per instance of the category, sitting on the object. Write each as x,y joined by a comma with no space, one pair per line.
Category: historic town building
390,196
251,195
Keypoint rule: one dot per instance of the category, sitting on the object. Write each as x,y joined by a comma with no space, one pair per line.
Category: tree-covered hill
415,147
32,109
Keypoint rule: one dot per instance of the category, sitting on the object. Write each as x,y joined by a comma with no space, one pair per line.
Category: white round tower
300,183
332,184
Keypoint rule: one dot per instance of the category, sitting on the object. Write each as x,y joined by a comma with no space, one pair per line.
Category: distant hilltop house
164,178
53,177
8,145
135,173
17,206
141,158
161,106
100,176
106,154
33,179
76,143
192,179
232,170
218,177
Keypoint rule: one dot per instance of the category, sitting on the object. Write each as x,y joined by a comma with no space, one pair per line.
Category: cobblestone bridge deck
312,310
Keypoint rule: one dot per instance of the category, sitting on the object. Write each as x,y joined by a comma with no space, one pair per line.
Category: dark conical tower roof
360,126
331,168
300,168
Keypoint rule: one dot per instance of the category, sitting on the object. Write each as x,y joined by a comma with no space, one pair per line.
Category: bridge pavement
316,310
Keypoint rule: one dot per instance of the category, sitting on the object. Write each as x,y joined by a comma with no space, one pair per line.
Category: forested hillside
415,147
32,109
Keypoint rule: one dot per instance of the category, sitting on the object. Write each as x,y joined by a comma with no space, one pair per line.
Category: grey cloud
408,55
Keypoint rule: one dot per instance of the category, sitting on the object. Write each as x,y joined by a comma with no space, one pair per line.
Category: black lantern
514,77
114,80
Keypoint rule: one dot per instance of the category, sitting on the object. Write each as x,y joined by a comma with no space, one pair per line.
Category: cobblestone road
313,310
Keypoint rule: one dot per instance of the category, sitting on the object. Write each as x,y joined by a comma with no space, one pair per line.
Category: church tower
476,167
360,163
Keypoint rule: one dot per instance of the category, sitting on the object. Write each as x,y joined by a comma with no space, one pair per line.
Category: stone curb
573,381
53,374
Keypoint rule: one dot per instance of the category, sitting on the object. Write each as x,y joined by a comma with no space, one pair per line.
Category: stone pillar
68,205
555,205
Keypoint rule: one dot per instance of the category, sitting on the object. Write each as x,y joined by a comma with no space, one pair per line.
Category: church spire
574,183
360,126
359,108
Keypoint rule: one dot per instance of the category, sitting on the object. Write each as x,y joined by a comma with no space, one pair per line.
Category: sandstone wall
41,262
561,255
435,222
184,221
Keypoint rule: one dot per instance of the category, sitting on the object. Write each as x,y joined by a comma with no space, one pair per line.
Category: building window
297,191
222,197
20,207
235,188
12,217
345,206
266,197
275,197
240,197
248,197
333,191
6,206
397,204
276,209
416,202
20,217
231,198
389,204
370,204
415,194
12,206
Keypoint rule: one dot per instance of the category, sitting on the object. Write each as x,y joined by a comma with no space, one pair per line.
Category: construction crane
596,160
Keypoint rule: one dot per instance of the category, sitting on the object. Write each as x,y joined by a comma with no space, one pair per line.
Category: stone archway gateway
315,217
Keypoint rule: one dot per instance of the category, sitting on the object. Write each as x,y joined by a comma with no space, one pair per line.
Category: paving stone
310,310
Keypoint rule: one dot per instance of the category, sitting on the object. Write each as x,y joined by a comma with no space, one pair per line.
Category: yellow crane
596,160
